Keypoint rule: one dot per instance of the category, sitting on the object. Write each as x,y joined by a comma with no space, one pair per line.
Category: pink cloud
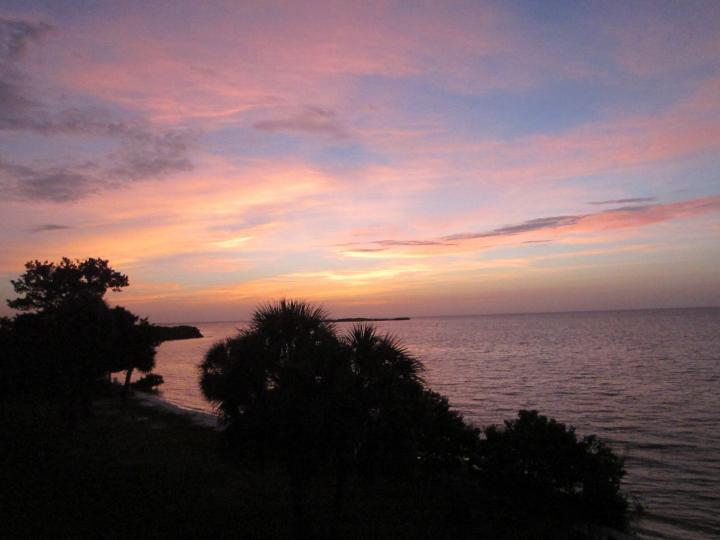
688,128
220,66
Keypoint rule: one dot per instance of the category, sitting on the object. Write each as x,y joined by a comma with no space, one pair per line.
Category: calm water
648,382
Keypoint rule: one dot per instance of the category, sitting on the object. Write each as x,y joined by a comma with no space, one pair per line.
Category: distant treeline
169,333
364,319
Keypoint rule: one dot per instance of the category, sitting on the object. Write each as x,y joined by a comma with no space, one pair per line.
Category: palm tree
376,358
288,387
389,386
279,387
405,423
238,378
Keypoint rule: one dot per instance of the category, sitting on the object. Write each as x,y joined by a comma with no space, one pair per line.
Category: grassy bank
132,471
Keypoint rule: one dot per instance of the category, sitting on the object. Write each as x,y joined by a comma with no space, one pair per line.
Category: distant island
170,333
371,319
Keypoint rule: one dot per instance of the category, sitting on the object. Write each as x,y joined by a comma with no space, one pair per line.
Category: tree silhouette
133,345
6,360
44,285
404,424
79,344
69,338
280,388
536,459
389,390
289,387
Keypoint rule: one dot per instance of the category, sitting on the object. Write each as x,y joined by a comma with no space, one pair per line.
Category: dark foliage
133,342
289,388
281,389
135,472
45,284
403,424
536,459
26,366
276,385
70,340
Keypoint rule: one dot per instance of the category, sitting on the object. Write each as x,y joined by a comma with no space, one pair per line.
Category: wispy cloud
16,36
56,184
633,200
142,151
312,120
141,155
50,227
536,224
616,218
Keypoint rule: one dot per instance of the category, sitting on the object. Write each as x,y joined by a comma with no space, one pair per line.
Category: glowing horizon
385,160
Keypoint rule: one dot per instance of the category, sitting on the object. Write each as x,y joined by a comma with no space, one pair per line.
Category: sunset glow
383,159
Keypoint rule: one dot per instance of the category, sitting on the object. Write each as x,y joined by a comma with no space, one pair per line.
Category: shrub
536,460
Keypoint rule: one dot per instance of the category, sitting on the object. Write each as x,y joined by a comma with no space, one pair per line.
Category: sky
380,158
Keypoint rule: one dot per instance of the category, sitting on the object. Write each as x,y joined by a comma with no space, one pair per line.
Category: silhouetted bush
447,442
536,460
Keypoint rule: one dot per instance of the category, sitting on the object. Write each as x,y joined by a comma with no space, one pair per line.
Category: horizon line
494,314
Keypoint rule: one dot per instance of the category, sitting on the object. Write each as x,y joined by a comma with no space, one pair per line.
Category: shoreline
198,418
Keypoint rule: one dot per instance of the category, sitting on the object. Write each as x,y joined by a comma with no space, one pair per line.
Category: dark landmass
131,471
364,319
169,333
148,383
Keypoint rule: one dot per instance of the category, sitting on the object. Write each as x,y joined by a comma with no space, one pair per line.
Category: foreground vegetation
355,407
325,435
136,472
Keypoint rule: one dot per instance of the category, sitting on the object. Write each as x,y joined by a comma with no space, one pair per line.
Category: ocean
647,382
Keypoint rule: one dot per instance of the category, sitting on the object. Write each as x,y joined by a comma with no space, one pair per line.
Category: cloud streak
50,227
616,218
536,224
634,200
312,120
